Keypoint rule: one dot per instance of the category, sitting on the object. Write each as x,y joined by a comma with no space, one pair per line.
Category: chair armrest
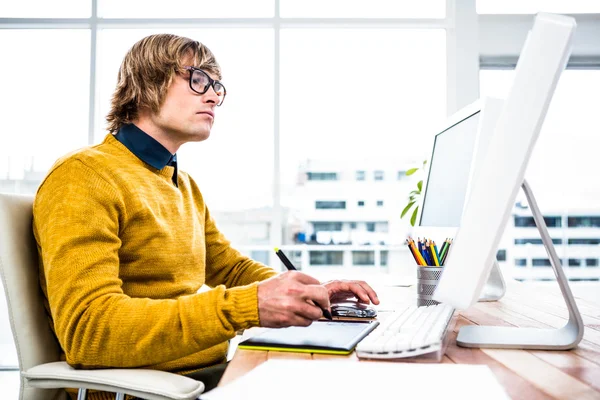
144,383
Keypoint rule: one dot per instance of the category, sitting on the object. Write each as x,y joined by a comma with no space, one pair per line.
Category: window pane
234,167
562,172
44,102
185,9
357,9
46,9
535,6
362,102
44,115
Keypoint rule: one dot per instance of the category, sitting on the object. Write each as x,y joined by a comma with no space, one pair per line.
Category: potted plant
414,195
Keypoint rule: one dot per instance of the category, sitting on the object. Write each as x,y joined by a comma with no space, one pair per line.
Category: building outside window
361,203
378,175
379,203
360,175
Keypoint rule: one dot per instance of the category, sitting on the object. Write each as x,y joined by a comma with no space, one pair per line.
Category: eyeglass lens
201,83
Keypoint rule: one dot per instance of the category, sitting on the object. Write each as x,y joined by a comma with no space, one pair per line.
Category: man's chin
199,136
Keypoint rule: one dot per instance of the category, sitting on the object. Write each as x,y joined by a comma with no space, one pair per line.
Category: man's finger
370,292
318,294
308,311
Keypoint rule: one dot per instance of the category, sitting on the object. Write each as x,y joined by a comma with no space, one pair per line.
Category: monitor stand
500,337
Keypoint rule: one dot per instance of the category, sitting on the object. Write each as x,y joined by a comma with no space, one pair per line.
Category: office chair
43,375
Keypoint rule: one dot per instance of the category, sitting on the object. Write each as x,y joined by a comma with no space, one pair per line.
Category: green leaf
414,216
411,171
414,192
420,185
424,163
412,198
408,206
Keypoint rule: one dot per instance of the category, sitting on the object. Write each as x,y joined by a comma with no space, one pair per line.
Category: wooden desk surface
525,374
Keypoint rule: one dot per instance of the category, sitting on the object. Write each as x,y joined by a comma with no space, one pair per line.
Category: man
126,240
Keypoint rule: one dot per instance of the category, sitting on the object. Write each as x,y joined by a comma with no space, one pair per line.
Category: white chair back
34,340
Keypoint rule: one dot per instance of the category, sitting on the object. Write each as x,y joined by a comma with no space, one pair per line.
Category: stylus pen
288,264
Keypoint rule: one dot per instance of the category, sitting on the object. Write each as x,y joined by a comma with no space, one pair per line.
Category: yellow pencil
418,253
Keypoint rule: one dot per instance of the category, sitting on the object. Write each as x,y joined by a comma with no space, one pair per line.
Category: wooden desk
525,374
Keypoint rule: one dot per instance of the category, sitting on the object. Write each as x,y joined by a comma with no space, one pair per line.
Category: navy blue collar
146,148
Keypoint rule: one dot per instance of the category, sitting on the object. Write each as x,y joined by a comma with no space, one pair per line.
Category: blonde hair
147,72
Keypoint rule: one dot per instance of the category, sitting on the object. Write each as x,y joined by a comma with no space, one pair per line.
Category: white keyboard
408,332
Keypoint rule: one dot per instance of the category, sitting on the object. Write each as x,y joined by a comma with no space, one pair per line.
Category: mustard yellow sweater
123,252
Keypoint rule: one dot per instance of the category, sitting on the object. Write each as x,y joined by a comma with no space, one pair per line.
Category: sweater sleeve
227,266
77,219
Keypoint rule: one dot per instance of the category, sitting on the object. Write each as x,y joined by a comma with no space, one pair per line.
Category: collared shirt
146,148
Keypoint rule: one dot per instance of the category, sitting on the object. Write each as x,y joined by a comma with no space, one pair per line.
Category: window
573,113
363,258
352,225
326,257
378,175
370,226
528,222
330,205
379,203
327,226
501,255
591,262
535,241
520,262
585,241
384,258
262,256
360,203
44,104
401,175
322,176
541,262
360,175
584,222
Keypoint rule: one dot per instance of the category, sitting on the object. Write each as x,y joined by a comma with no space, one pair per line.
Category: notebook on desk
320,337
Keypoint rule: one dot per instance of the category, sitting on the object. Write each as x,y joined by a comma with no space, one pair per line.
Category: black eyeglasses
200,82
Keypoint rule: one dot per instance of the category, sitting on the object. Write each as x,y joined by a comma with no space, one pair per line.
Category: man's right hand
289,299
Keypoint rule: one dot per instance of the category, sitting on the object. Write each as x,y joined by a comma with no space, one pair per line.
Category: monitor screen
449,173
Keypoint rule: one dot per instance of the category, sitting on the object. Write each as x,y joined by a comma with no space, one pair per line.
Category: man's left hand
340,290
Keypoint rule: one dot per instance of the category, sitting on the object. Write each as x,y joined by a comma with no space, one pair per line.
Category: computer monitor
457,151
495,186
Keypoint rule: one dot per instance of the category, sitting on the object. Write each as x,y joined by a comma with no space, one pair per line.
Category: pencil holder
427,280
